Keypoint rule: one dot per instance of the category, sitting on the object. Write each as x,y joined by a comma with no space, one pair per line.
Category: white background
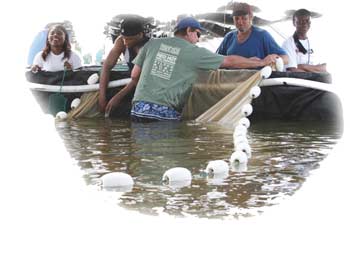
40,215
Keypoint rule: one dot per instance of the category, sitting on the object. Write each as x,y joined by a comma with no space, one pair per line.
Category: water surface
283,155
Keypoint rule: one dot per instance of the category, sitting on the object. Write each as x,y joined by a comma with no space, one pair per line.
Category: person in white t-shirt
57,54
301,55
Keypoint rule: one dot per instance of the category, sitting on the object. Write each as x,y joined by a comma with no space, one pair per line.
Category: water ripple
283,154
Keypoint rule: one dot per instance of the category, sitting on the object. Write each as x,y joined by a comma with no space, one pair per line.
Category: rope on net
88,106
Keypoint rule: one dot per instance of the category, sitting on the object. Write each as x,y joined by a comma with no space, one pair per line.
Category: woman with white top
57,54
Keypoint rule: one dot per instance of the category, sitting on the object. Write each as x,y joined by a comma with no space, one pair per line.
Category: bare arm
108,64
235,61
309,68
115,101
313,68
293,69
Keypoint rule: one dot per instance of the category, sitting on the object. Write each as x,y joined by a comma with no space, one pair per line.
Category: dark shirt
132,51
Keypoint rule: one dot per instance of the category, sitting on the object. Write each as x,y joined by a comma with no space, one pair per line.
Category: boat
299,96
284,96
45,84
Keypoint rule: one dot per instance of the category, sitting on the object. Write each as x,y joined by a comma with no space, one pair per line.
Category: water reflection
282,156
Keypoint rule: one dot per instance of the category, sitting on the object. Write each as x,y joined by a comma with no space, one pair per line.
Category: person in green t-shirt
166,68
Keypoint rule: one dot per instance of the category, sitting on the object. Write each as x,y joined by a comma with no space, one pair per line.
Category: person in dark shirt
129,43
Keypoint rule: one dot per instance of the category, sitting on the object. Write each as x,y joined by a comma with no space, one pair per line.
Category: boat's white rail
76,89
121,82
300,82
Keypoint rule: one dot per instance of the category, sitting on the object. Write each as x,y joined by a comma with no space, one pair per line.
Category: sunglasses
198,35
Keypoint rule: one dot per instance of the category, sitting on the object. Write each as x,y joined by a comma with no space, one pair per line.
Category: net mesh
88,106
217,96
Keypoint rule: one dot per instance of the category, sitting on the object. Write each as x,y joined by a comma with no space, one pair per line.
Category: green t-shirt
169,68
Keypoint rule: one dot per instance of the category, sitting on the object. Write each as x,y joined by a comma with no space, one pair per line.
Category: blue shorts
142,110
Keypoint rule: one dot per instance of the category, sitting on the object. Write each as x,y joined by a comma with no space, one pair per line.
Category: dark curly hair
66,43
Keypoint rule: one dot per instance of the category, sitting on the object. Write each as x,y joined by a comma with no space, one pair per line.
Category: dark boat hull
123,110
300,96
296,103
279,100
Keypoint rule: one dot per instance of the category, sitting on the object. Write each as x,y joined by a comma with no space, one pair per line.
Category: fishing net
218,96
278,101
88,106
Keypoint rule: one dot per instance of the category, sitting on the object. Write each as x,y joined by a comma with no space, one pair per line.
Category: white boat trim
299,82
76,89
121,82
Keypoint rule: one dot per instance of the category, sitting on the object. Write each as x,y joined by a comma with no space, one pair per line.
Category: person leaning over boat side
166,68
249,41
301,55
130,41
57,54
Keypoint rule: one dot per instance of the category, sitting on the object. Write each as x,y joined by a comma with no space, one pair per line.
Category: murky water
283,154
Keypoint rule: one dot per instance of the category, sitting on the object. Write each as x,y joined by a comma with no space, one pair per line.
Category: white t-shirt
56,62
296,57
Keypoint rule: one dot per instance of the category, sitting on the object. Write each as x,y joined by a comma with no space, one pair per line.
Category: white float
255,92
118,181
266,72
238,134
247,110
177,174
244,147
93,79
279,64
238,157
61,115
75,103
217,167
240,130
240,139
245,122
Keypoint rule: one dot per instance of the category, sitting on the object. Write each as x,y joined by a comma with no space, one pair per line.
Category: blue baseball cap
188,22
